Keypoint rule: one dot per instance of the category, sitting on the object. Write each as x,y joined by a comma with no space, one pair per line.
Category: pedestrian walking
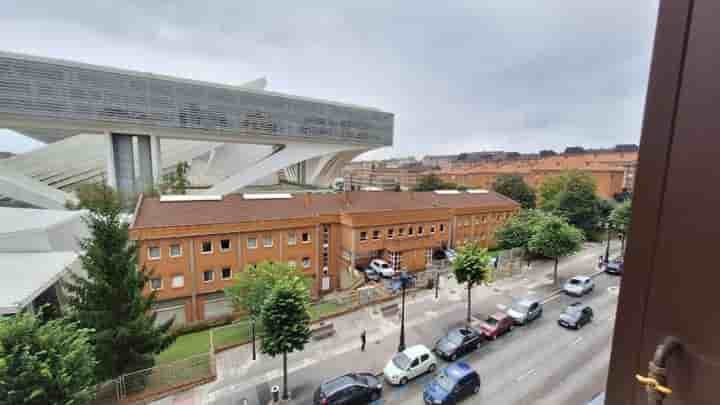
362,341
600,262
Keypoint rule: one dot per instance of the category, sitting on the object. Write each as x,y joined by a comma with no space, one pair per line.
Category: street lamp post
607,248
404,279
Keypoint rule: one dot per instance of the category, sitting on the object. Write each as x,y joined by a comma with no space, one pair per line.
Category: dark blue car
452,384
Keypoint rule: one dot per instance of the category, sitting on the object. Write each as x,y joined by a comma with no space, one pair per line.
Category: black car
349,389
614,267
576,315
458,342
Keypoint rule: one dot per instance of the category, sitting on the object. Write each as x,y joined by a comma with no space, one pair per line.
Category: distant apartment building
613,170
380,176
195,247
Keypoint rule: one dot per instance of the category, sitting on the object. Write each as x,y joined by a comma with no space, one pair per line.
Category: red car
496,324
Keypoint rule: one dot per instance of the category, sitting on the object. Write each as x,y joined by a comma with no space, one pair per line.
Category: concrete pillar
155,157
110,179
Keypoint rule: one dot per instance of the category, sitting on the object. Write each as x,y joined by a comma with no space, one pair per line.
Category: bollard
275,391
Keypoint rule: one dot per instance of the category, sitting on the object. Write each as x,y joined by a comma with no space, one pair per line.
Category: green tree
176,182
620,220
472,267
109,297
517,231
513,186
572,196
432,182
92,195
45,362
286,320
555,238
253,286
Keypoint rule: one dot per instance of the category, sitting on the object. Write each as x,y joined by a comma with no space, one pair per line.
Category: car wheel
374,396
431,369
403,381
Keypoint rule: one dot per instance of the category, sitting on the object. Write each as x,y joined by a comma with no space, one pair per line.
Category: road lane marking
576,341
526,375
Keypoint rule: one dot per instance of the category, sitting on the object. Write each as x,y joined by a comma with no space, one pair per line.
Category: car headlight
437,401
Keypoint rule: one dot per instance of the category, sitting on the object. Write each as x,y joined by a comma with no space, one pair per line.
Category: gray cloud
520,75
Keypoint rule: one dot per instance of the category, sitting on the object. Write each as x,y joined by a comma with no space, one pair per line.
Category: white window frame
442,227
401,232
306,263
222,277
171,247
173,278
420,230
158,257
202,243
363,239
432,229
265,239
390,233
428,256
211,278
309,237
151,284
292,238
292,264
254,238
376,234
229,245
411,231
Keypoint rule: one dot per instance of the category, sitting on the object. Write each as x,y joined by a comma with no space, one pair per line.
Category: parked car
452,384
382,267
450,255
579,285
614,267
458,342
408,364
598,399
496,325
576,315
371,274
354,388
525,310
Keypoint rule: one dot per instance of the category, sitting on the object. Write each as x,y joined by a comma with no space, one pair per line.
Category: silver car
524,311
579,285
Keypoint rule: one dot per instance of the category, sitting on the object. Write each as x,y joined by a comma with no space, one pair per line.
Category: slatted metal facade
37,87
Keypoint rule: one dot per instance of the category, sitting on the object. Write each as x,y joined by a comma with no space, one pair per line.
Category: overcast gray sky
517,75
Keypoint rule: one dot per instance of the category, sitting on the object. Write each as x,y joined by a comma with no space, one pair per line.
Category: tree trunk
555,278
285,387
469,288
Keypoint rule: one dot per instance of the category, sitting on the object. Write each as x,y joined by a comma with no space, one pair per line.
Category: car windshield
401,361
444,382
574,281
454,337
491,321
520,306
384,265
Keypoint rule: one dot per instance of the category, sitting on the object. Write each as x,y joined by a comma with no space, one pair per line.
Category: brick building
613,171
195,246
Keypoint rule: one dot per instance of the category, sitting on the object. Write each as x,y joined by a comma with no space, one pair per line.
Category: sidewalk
237,372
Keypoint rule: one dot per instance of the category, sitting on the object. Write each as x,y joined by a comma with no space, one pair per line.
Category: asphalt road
534,364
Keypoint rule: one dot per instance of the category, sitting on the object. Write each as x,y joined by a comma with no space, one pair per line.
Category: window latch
655,382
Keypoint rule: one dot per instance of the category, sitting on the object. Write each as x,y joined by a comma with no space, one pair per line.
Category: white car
408,364
579,285
382,267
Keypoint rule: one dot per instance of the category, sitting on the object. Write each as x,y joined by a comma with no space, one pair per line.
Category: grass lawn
185,346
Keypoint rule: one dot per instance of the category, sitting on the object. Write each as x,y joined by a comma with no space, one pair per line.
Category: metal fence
156,380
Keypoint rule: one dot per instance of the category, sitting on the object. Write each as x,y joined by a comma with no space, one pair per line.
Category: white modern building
127,128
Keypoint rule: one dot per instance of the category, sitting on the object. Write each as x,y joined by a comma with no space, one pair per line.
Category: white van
408,364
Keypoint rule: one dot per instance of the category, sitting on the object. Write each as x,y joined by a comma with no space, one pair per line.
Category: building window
476,220
292,238
410,231
305,237
175,251
428,256
156,284
442,227
432,228
224,245
153,253
178,281
267,241
363,235
376,235
484,219
391,233
226,273
252,242
208,276
396,260
401,232
292,264
306,262
420,230
206,247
